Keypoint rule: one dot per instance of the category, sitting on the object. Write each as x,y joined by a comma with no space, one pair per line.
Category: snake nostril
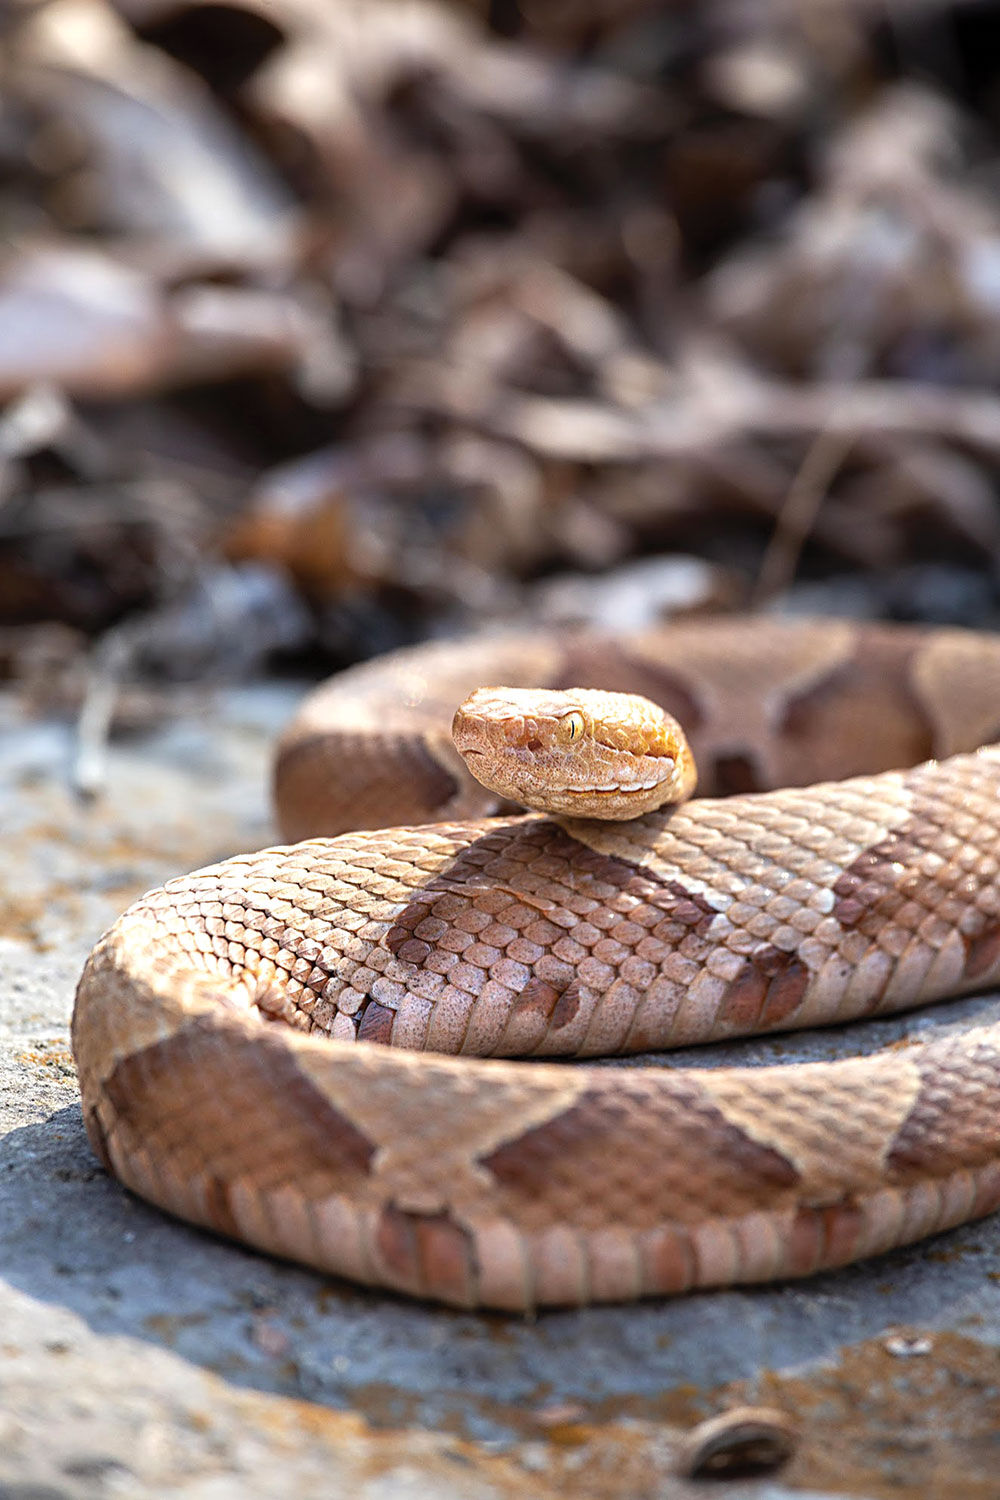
534,745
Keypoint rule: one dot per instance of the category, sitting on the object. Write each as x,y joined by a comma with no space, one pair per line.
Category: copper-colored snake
216,1023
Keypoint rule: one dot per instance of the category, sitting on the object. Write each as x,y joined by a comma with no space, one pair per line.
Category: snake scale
224,1025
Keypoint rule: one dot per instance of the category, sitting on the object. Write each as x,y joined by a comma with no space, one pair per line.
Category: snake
381,1048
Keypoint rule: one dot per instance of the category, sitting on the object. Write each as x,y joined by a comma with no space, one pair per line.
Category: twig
806,493
103,682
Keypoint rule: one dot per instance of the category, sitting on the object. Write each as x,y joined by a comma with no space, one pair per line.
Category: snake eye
572,727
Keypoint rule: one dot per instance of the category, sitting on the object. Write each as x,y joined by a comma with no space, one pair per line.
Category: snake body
221,1025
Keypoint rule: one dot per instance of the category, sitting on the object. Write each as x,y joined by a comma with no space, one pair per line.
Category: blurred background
331,325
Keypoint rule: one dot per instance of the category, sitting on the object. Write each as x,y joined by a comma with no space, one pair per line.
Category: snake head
580,752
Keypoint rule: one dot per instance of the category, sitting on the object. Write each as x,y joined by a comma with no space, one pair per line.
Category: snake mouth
627,784
631,790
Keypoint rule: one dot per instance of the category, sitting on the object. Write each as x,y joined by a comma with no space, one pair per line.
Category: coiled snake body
216,1024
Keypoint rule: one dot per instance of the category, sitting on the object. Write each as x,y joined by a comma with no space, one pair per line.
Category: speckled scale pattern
472,942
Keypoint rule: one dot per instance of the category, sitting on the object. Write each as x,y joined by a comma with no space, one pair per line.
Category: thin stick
89,772
797,517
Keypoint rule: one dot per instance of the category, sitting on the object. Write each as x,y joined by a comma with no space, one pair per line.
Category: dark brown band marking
428,1253
270,1125
376,1024
599,1140
766,991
